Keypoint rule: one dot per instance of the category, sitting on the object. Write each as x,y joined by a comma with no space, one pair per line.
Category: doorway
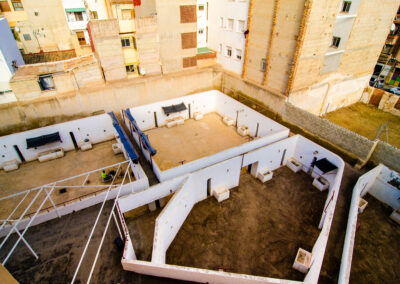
21,157
74,140
209,187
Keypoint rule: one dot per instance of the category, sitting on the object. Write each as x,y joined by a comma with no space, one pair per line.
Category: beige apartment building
39,25
320,54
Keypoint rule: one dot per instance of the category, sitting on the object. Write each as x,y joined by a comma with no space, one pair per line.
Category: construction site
232,141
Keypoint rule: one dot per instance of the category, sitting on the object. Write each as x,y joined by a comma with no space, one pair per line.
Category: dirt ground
377,245
192,140
257,231
60,243
365,120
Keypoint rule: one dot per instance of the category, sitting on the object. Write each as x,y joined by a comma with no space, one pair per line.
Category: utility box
303,261
294,165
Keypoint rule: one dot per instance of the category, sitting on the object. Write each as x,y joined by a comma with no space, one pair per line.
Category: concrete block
117,148
395,216
361,205
152,206
303,261
228,121
221,193
243,130
197,115
321,183
264,175
10,165
294,165
86,146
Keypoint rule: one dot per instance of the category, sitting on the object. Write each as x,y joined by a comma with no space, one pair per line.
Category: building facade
227,27
319,54
10,56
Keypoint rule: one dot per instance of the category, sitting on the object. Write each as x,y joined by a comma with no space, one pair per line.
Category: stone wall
103,97
347,140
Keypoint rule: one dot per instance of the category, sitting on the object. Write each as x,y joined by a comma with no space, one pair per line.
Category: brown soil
257,231
365,120
377,245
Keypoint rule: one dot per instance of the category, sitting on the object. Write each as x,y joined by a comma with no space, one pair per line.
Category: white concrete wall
228,173
217,35
97,129
385,192
362,186
211,101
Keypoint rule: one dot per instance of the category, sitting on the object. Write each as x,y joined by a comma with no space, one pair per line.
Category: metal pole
105,230
12,213
52,203
116,224
20,218
28,246
92,231
26,229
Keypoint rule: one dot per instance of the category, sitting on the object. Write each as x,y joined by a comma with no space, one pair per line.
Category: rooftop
193,140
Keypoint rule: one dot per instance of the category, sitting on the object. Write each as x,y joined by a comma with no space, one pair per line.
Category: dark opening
258,125
21,157
283,156
158,205
249,168
63,190
208,187
190,112
155,119
73,140
237,117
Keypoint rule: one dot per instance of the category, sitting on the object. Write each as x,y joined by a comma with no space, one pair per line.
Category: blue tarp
124,139
142,136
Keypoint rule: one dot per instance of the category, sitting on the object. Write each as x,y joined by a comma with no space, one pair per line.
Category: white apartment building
227,22
202,23
77,18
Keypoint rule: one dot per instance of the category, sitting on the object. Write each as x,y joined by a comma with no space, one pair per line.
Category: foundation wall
228,173
97,129
232,83
55,108
383,191
363,184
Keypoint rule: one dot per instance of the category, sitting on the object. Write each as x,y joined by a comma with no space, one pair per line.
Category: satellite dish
142,71
393,27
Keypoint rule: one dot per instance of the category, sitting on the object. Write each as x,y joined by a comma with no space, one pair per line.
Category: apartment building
77,18
39,25
227,27
10,57
167,35
202,23
319,54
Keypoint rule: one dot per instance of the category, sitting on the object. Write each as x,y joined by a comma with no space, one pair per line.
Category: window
228,51
46,82
201,7
335,41
126,14
27,36
17,5
78,16
94,15
201,31
230,24
81,38
241,26
125,42
346,6
188,14
130,68
221,22
4,7
238,54
263,64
